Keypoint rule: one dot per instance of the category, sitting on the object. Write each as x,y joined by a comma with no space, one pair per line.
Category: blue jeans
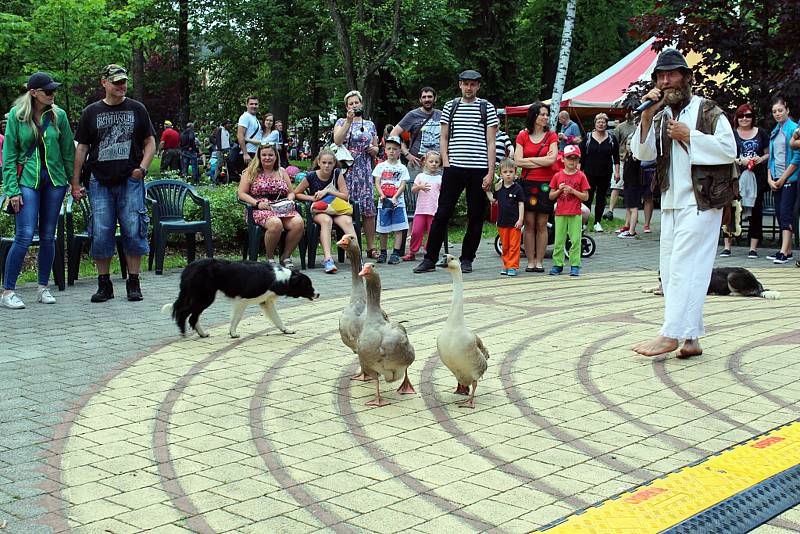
40,209
123,203
190,158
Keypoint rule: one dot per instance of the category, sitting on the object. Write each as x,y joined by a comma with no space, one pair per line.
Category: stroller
588,245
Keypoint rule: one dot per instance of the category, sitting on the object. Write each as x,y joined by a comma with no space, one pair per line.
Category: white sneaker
12,301
598,227
44,296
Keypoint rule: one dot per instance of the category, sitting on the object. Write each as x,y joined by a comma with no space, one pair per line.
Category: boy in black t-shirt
510,197
119,139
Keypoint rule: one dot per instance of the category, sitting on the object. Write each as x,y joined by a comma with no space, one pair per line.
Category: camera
358,112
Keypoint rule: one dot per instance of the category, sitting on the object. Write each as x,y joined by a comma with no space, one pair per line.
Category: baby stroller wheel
588,246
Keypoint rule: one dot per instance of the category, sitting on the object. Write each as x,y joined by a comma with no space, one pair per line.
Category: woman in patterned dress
263,184
361,139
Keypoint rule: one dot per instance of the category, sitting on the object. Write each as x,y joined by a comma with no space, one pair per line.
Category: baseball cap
43,81
393,139
114,73
572,150
168,124
469,75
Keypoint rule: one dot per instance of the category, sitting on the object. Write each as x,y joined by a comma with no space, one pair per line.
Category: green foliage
228,225
288,53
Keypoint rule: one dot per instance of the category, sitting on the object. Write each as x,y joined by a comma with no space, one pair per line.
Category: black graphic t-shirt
115,135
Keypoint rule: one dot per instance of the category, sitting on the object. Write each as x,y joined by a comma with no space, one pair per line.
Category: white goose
460,349
383,346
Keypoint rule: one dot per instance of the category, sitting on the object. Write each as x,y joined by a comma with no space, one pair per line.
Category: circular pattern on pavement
266,433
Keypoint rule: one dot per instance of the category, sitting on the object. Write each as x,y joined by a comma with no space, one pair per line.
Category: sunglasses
746,116
50,92
120,82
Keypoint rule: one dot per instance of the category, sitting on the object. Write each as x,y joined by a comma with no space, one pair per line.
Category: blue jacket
792,155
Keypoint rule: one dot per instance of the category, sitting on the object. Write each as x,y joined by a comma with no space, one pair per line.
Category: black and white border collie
735,281
244,282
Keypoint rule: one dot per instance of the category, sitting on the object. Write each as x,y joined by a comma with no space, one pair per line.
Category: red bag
493,213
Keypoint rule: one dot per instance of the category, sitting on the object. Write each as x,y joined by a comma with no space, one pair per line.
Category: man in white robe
689,234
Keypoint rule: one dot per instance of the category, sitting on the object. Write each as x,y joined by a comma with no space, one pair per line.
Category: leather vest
715,186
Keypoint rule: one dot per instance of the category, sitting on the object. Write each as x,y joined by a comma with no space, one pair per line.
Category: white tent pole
563,63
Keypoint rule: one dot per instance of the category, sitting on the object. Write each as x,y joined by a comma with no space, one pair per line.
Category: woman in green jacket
38,156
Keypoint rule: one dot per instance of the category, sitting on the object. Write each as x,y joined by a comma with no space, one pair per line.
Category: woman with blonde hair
38,156
360,137
268,189
312,188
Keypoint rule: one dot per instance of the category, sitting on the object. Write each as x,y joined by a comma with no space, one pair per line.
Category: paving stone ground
110,422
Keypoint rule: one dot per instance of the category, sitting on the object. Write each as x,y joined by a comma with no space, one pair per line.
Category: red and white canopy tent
606,91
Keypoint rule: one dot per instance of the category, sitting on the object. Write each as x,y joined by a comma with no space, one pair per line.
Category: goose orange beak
344,241
367,269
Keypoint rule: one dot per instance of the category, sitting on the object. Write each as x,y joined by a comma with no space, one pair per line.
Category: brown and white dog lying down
736,281
245,283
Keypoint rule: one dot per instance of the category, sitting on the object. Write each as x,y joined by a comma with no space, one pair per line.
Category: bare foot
462,390
691,347
361,377
654,347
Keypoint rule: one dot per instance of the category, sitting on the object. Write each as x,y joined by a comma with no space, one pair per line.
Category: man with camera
423,127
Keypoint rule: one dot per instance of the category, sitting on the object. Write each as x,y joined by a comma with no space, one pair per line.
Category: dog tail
771,295
166,309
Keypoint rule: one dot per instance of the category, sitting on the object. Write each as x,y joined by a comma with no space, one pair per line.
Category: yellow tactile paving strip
681,495
267,434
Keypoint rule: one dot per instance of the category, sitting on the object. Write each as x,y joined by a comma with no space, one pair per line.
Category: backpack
454,106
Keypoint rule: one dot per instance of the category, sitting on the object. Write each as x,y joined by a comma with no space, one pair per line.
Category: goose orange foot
462,390
406,388
377,402
361,377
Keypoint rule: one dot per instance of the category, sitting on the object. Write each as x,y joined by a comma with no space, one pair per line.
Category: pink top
428,201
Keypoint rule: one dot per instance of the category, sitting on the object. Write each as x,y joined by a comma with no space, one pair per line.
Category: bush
228,225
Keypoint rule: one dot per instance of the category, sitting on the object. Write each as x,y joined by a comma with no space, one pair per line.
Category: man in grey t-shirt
423,125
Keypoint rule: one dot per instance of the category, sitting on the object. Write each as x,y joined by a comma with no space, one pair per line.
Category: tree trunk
563,63
137,70
183,62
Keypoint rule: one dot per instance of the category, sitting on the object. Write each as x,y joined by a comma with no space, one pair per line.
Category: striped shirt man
467,144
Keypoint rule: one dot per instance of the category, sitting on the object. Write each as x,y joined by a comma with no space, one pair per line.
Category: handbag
282,207
8,207
331,204
341,152
343,155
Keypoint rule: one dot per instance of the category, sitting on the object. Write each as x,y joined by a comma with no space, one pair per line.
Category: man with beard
683,132
423,126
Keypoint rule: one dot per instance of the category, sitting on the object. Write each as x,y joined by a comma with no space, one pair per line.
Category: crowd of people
683,149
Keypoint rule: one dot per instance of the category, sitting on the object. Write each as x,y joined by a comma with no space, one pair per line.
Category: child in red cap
568,188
